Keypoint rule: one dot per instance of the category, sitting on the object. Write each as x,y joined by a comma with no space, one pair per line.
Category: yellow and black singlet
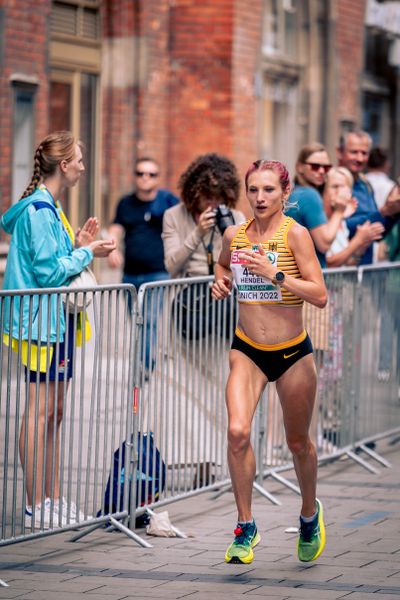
253,289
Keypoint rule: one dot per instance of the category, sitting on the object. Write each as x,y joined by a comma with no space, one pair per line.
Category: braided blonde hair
51,151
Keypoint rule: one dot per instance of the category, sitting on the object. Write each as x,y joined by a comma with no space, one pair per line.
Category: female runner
272,261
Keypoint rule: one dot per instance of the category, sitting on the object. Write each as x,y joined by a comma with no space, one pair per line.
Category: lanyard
209,252
64,220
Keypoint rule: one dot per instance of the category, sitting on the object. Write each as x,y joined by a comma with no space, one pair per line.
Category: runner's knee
238,437
299,445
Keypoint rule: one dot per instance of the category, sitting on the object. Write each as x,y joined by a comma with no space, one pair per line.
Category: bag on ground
150,478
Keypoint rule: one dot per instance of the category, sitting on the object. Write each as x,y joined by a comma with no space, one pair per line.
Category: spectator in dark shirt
353,153
138,223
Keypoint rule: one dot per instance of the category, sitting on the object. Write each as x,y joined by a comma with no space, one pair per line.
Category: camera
223,217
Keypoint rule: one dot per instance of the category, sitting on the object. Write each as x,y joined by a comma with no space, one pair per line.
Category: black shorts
273,360
65,359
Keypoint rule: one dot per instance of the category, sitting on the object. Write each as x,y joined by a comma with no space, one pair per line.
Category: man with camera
192,230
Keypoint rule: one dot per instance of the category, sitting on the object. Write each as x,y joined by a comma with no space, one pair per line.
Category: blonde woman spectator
338,188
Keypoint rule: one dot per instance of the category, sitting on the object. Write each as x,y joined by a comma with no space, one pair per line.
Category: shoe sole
235,560
322,534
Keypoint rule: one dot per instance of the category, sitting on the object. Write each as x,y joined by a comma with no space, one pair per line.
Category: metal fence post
356,359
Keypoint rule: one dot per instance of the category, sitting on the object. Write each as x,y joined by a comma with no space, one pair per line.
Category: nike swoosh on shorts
289,355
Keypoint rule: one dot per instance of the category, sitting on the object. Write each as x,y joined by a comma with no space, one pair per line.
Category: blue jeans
152,313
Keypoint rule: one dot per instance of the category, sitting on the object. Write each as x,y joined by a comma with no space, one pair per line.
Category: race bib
251,287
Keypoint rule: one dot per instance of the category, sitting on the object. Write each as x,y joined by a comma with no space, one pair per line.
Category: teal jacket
41,255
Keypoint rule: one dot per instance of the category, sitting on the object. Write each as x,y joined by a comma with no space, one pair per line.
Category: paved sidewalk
361,559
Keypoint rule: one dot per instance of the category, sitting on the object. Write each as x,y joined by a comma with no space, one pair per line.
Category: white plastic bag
160,525
78,300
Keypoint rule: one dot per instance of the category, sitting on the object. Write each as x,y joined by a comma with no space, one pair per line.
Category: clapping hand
350,208
340,198
102,248
392,203
87,234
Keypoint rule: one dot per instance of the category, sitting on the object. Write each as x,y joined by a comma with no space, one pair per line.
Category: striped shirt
285,262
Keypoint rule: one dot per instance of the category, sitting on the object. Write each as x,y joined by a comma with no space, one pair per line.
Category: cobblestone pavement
361,559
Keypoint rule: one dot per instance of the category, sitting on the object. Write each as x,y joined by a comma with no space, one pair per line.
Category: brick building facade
173,79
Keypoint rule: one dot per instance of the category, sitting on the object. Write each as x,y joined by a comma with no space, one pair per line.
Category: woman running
272,261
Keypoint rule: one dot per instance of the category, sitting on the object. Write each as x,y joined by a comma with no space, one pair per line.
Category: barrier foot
266,494
286,482
375,456
394,441
361,462
177,531
114,524
129,533
85,532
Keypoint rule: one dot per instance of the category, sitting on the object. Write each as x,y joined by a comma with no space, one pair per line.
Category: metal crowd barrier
150,385
182,395
184,354
95,412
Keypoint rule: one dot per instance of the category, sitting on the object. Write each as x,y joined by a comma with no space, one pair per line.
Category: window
279,119
75,58
376,118
73,105
23,142
78,19
280,28
88,92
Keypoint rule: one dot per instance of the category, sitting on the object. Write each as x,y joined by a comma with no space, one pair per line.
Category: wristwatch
279,277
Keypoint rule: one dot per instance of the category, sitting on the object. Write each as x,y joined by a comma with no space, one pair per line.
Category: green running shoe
312,537
241,549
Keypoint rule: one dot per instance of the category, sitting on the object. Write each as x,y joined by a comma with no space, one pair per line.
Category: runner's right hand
221,288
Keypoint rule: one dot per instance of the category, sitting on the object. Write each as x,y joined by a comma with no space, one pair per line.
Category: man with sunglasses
305,202
353,153
138,226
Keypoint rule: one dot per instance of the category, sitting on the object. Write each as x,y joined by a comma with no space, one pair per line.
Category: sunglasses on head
318,166
143,173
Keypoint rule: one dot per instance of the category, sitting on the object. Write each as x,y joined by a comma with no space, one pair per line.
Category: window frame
20,86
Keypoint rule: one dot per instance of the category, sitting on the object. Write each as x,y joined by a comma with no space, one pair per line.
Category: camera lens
223,217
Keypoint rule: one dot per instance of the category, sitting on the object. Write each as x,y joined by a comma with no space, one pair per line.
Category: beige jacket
184,249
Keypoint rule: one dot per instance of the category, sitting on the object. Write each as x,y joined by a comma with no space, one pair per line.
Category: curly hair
212,176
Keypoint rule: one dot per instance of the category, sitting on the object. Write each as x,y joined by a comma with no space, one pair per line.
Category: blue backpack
148,487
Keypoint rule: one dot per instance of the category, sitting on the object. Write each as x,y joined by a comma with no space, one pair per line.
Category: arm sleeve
306,208
311,209
176,251
119,218
373,216
51,269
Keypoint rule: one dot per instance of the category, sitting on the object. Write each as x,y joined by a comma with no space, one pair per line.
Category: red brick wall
118,100
200,108
246,56
154,67
350,53
195,65
25,50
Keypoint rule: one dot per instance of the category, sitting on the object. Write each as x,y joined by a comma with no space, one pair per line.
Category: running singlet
254,289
